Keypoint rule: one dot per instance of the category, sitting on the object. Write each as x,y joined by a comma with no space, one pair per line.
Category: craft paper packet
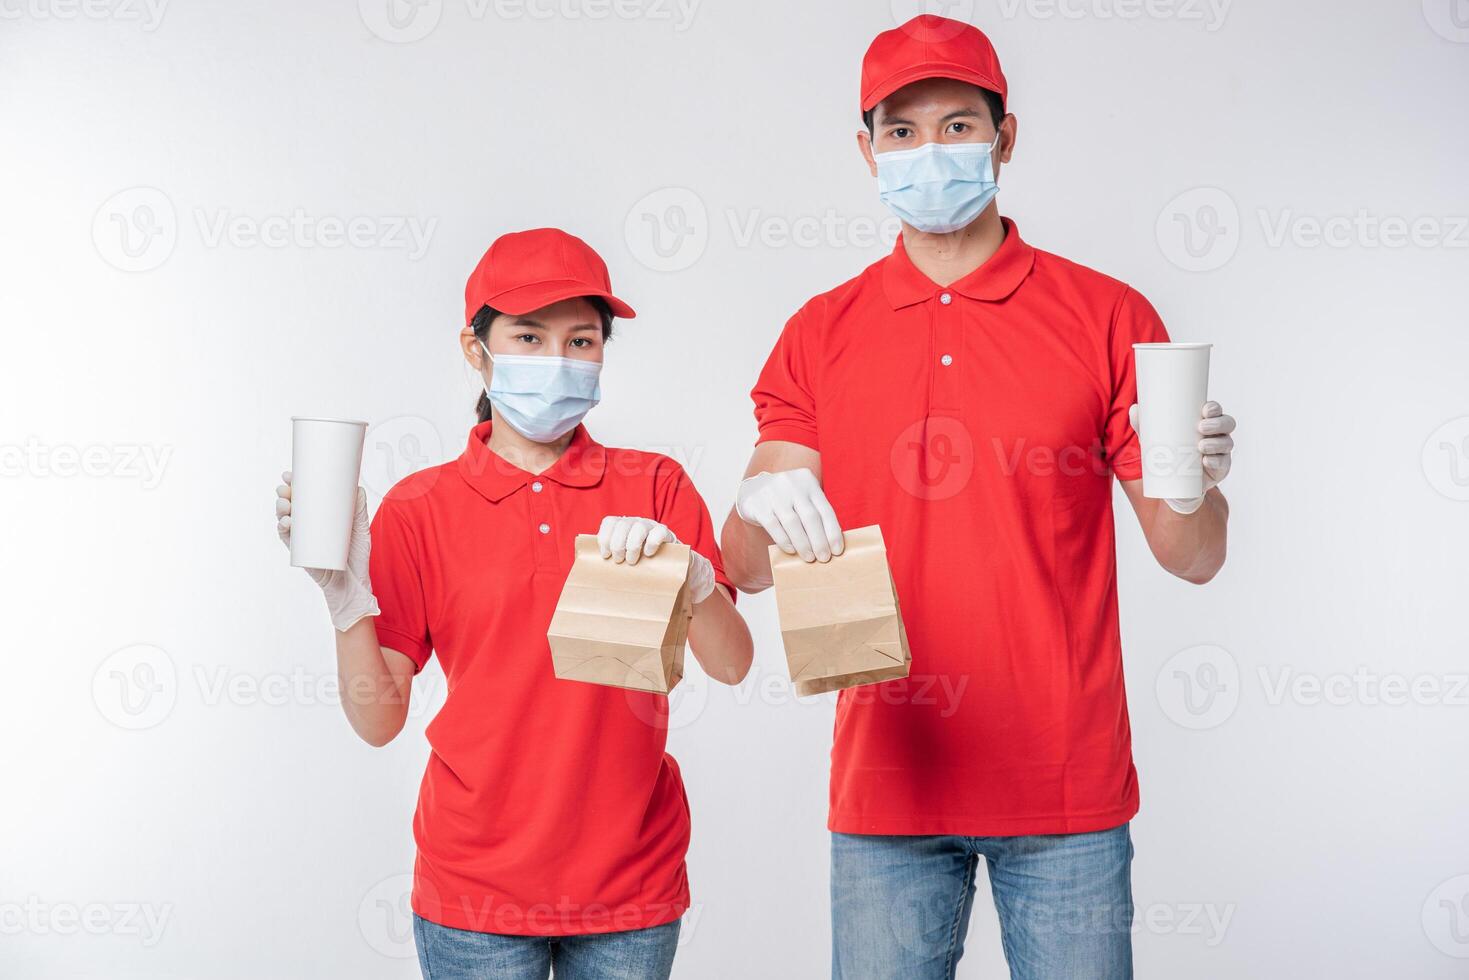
622,625
840,619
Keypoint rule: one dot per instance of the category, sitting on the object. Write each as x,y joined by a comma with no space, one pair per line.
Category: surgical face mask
938,187
540,396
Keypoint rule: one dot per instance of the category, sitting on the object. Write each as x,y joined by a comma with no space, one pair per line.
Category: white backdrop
219,215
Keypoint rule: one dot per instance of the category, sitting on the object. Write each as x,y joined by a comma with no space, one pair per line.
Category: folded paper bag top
622,625
840,619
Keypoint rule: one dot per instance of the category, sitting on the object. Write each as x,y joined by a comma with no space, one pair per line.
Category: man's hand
626,539
794,511
1215,443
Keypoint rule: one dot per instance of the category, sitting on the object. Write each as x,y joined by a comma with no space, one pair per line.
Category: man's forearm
1191,546
746,551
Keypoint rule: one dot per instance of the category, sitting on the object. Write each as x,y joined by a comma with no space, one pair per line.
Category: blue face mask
938,187
540,396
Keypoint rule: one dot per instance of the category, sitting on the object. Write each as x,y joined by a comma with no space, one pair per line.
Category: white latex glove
794,511
626,539
348,593
1216,444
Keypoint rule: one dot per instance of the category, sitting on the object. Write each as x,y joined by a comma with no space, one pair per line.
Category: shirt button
536,486
545,529
946,360
946,299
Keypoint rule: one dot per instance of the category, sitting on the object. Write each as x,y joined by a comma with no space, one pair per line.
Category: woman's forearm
374,693
720,639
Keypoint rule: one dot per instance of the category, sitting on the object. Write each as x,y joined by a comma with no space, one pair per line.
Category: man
971,395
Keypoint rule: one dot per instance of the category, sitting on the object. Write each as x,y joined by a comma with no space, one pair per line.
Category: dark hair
991,99
480,325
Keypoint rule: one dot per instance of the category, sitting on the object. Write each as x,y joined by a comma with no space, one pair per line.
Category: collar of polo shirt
904,285
495,478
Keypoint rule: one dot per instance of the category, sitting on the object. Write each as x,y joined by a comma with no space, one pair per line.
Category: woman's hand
626,539
348,592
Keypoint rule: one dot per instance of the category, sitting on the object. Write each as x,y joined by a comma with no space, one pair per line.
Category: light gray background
184,798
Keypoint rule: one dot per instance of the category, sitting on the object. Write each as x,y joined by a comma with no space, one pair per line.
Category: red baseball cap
526,270
929,46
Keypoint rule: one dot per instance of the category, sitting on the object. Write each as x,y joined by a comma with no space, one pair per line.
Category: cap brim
524,299
894,82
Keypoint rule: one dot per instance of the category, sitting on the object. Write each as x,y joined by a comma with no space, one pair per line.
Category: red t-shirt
979,425
549,806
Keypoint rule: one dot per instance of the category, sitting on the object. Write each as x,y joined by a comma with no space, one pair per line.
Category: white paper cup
1172,386
326,459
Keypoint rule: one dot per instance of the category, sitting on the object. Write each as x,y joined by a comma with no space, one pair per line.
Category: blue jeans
900,905
457,954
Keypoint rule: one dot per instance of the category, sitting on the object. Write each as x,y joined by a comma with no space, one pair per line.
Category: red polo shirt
549,806
980,425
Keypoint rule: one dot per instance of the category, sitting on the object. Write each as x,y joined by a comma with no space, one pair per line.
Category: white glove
1216,444
348,593
794,511
626,539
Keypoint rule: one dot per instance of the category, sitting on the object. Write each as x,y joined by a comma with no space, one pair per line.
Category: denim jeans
457,954
900,905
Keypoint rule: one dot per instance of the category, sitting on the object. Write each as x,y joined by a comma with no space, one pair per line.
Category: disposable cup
1172,386
326,459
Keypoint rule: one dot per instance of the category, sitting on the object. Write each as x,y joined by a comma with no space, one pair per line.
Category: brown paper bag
622,625
840,619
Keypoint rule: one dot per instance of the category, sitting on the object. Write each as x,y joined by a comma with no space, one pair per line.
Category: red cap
526,270
929,46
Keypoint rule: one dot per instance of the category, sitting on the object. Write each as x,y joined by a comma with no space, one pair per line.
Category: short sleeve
683,511
785,405
395,569
1133,322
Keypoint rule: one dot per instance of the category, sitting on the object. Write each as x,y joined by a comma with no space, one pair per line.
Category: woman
551,824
